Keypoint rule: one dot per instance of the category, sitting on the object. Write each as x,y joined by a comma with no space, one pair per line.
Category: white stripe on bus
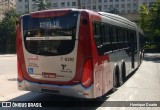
50,38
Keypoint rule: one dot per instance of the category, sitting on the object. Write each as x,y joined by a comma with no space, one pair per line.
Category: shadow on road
56,102
155,57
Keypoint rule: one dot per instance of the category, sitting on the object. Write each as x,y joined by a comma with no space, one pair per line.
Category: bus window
98,37
140,41
50,36
128,38
113,34
125,39
97,34
106,38
120,38
133,40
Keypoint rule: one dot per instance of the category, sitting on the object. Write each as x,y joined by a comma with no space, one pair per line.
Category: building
121,7
25,6
115,6
6,5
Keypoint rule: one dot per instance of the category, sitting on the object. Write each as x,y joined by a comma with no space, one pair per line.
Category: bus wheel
140,57
115,78
123,73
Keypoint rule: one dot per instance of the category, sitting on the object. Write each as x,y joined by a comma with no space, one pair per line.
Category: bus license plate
49,75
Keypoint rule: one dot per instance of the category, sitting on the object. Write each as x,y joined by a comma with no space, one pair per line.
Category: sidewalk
8,55
8,77
143,85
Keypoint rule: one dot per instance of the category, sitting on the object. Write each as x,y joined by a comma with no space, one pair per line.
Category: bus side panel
107,77
101,66
20,57
103,76
98,80
84,45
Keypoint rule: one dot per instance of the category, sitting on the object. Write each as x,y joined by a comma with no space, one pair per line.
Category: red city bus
76,52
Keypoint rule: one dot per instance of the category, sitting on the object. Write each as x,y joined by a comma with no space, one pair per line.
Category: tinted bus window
113,34
98,37
106,34
50,36
120,38
133,40
114,39
106,38
97,33
125,38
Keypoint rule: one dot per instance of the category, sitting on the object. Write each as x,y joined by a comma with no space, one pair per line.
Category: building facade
25,6
115,6
119,6
122,7
6,5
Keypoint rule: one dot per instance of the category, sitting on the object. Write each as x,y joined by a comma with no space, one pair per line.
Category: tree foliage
150,21
8,32
8,28
144,19
42,5
155,19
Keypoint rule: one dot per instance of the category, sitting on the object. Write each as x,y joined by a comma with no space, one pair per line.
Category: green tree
8,32
150,22
42,5
144,18
155,21
144,22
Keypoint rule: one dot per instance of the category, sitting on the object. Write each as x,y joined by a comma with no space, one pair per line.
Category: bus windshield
50,36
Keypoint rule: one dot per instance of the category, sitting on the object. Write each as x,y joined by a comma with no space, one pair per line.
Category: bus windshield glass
50,36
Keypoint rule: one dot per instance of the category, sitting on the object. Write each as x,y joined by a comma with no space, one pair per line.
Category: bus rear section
53,52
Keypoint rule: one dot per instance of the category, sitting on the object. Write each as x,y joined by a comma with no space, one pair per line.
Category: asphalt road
142,85
8,64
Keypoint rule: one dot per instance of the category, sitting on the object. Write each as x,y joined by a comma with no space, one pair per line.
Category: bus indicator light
87,74
20,73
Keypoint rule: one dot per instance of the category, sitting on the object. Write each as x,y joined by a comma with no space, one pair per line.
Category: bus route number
67,59
46,25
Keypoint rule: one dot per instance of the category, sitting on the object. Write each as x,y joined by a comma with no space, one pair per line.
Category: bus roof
117,18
